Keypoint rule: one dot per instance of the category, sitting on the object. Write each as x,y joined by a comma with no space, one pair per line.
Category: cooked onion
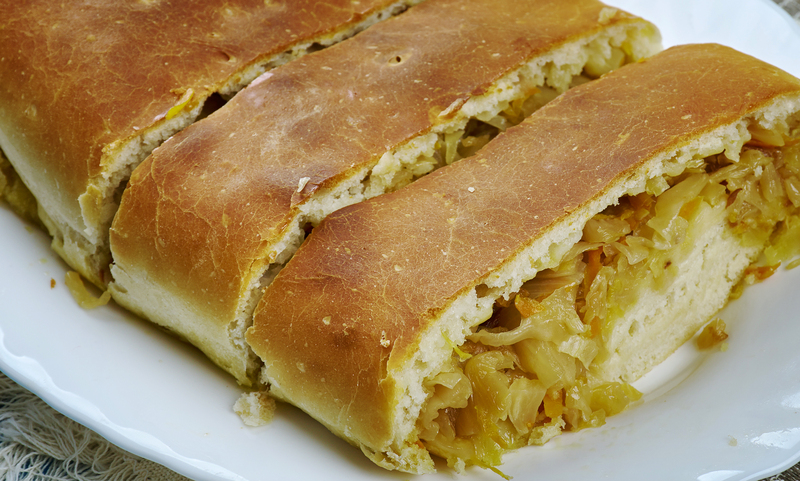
81,294
602,228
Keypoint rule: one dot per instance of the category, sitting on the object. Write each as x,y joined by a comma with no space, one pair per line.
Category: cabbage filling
529,372
472,125
459,142
14,191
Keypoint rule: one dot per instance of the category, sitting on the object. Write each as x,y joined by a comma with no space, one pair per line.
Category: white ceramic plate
723,416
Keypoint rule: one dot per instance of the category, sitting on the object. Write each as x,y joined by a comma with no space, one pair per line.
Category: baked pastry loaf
513,294
88,89
214,213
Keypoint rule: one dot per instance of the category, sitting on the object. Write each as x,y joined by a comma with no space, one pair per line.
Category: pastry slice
517,293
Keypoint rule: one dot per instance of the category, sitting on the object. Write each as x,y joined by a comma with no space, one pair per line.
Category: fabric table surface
38,443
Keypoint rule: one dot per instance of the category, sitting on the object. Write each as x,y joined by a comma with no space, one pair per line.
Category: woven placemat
38,443
791,6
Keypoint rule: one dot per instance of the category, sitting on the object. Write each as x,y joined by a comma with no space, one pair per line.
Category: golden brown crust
383,270
76,80
202,213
